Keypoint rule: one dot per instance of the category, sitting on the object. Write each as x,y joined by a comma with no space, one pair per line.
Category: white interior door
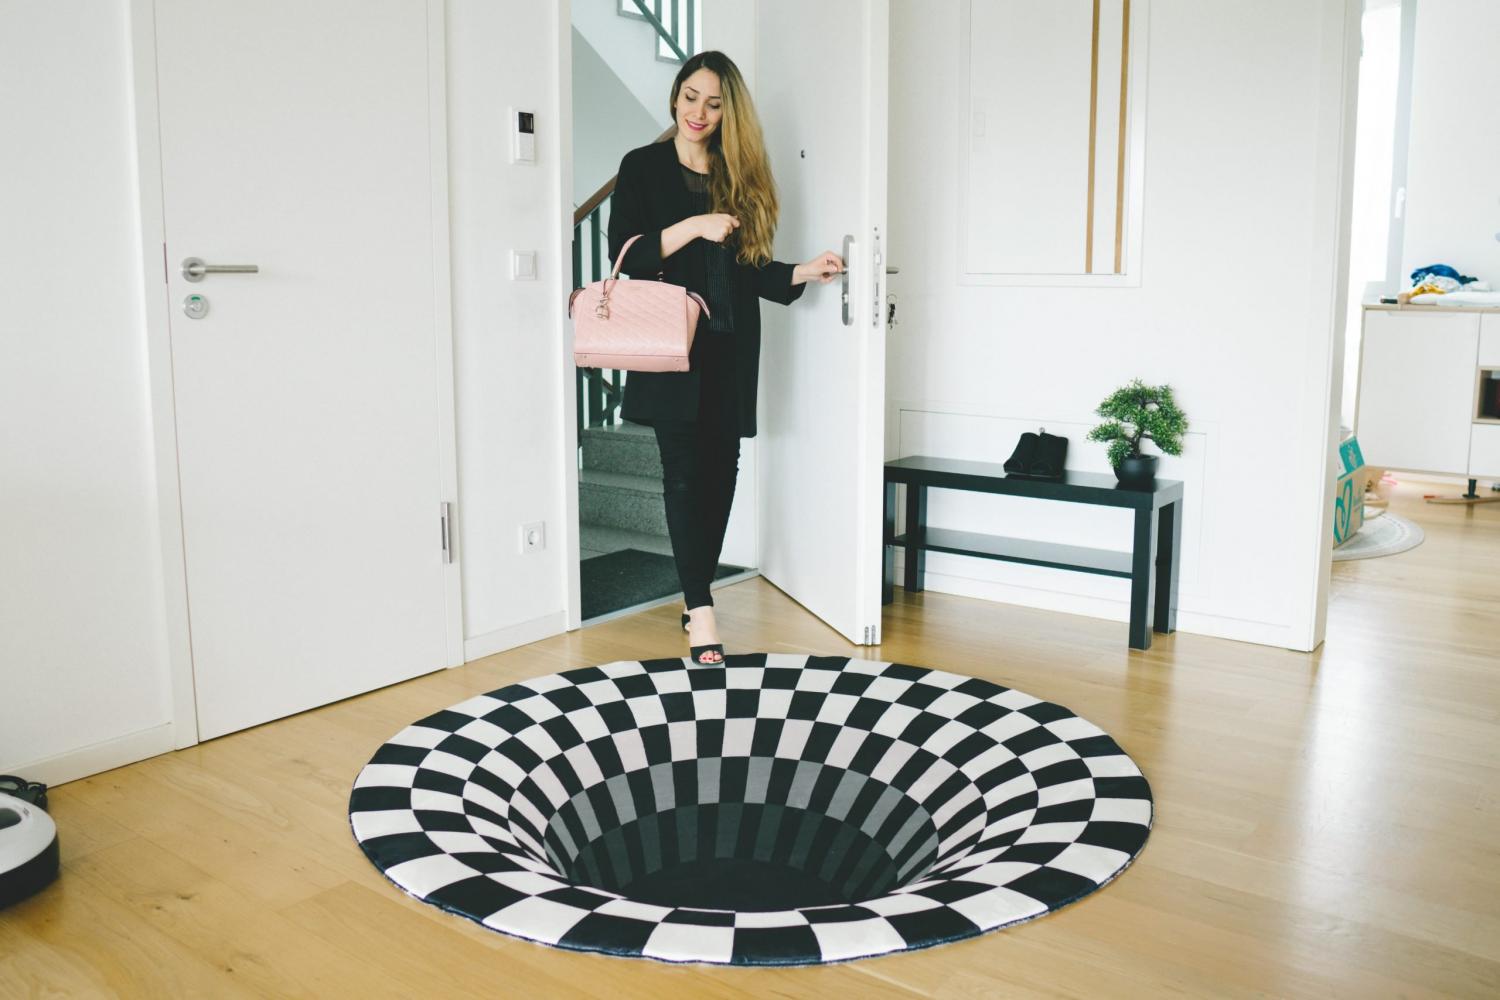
313,398
821,89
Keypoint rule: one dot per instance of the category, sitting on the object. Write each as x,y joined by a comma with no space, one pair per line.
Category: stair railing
600,391
675,22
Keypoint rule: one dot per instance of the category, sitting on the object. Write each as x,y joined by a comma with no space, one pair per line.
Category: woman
705,207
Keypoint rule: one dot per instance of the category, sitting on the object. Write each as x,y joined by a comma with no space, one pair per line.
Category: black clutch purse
1038,456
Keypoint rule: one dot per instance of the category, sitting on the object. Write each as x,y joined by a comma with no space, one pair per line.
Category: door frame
155,317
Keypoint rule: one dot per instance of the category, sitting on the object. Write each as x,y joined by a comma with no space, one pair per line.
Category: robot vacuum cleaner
28,849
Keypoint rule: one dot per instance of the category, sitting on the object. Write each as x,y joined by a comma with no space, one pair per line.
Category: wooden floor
1327,824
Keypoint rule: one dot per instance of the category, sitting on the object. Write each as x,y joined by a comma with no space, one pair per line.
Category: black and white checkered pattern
937,806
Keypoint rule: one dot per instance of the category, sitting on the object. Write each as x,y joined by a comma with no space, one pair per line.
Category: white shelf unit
1427,379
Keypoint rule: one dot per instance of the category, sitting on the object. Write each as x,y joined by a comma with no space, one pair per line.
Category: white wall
512,372
83,633
1453,159
1235,310
607,119
89,618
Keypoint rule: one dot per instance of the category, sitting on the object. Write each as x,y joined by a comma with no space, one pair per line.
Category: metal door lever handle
193,269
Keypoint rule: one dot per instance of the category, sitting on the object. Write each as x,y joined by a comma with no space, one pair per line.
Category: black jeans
700,463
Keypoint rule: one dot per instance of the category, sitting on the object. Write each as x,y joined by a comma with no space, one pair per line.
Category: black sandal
685,620
698,651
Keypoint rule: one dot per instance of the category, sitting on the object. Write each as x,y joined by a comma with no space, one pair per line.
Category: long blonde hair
739,176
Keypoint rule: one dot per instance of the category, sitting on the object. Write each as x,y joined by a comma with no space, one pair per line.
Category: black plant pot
1138,472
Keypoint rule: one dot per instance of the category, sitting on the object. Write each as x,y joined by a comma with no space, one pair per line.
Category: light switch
523,265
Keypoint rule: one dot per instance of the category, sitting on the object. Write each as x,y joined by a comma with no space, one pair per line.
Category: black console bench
1150,565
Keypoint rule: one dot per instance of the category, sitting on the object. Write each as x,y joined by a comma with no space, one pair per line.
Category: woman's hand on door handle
822,268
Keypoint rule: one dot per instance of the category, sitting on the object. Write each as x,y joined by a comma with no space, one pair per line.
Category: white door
313,411
821,90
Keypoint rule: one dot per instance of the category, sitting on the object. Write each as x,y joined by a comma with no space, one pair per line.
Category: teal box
1350,454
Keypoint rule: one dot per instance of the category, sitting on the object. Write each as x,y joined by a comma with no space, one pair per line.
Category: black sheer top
719,258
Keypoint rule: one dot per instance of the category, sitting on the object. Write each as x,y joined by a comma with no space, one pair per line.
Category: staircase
619,478
619,491
675,22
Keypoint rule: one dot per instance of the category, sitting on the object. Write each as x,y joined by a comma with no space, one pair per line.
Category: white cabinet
1489,340
1484,451
1416,389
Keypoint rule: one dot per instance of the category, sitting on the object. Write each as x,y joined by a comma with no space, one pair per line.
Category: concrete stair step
621,500
628,448
598,539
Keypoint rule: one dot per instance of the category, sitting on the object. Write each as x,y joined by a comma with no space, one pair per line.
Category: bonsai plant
1134,413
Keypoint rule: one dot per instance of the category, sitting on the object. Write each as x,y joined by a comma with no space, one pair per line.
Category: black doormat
629,577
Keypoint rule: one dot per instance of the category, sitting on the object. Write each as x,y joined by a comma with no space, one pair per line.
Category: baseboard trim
1195,623
87,761
501,639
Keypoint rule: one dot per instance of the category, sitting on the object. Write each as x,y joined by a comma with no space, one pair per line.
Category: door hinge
872,635
445,518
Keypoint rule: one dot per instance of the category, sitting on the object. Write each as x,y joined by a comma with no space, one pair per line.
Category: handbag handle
620,260
614,278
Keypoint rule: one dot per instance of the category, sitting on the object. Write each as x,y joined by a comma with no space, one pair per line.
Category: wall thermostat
522,136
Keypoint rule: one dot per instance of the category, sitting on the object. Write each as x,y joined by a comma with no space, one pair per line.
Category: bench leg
1142,579
887,550
1168,559
916,534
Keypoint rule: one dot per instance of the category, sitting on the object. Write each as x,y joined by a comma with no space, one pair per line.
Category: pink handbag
636,326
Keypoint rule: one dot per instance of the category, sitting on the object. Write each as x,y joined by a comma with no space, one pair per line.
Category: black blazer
650,195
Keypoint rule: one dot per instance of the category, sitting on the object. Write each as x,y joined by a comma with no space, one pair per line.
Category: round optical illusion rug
779,810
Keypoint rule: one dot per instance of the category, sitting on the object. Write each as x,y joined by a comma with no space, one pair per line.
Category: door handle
848,242
194,269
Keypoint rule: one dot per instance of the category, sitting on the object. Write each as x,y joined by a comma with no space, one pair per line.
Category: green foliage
1138,412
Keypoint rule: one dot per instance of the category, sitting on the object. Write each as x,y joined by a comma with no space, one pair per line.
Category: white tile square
683,737
774,703
1090,861
634,910
424,875
536,919
1054,753
671,682
484,733
855,938
647,711
1122,811
793,738
887,688
1117,766
386,776
588,723
770,918
816,680
710,704
531,883
952,703
906,902
836,708
382,822
691,943
744,678
477,706
997,907
631,750
600,692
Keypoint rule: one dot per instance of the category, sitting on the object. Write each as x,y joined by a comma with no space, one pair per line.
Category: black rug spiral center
810,835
